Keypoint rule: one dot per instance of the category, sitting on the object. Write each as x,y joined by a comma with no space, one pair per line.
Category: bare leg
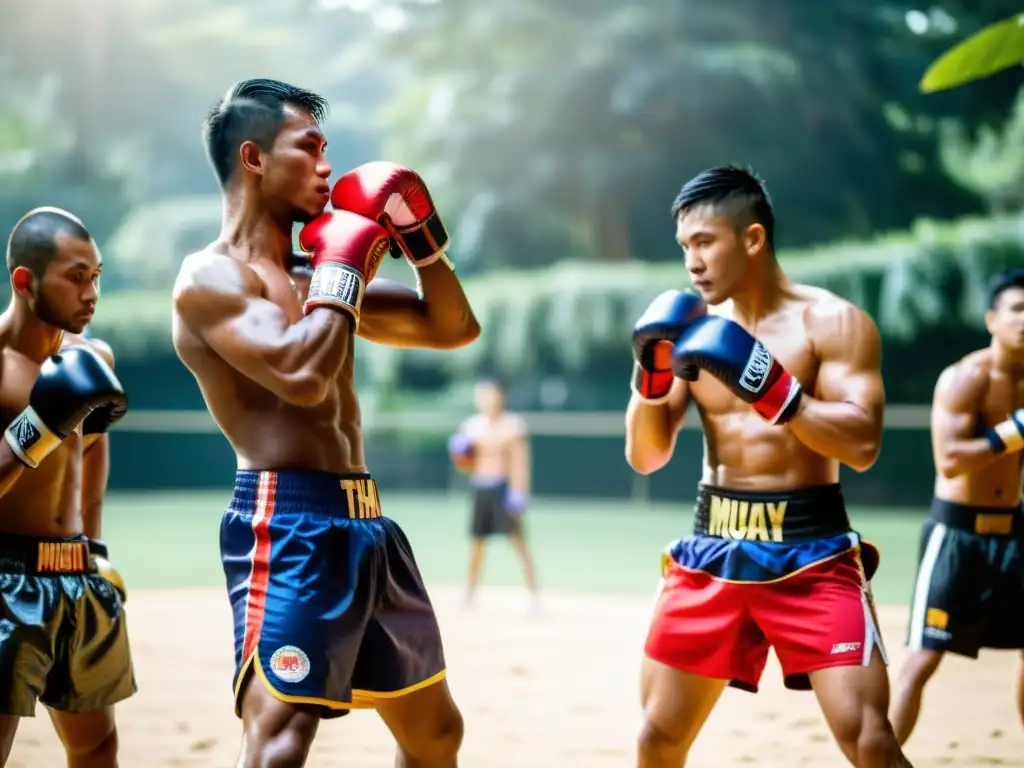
855,701
476,561
518,542
676,704
8,727
427,727
89,738
274,734
917,670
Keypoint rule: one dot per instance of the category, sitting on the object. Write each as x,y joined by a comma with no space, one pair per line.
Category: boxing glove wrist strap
30,439
653,387
422,242
336,285
1007,436
780,402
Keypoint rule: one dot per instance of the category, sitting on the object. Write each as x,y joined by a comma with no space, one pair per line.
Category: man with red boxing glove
331,613
786,379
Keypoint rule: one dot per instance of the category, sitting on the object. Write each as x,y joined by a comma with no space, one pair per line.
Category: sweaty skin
280,385
834,349
45,501
971,396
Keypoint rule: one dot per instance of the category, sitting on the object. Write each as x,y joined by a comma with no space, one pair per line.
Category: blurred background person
493,447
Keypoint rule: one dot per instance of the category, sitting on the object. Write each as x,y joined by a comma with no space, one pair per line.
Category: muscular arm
438,316
520,464
844,421
651,430
959,394
220,301
95,465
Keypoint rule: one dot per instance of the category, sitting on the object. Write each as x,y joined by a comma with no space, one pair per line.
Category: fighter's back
743,450
226,313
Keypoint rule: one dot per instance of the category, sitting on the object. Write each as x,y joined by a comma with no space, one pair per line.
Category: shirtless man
969,592
494,447
330,610
773,561
68,648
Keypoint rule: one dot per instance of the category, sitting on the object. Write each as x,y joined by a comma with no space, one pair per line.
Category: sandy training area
558,690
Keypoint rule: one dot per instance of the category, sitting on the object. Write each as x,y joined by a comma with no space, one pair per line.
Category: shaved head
33,241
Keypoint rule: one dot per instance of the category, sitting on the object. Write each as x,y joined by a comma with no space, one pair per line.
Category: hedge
556,320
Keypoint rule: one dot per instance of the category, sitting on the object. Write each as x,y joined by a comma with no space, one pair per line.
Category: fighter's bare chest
1005,394
789,342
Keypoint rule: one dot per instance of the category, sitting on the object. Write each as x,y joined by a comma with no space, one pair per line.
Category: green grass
163,540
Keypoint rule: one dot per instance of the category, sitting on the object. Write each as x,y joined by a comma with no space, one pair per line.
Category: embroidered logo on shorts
290,664
845,647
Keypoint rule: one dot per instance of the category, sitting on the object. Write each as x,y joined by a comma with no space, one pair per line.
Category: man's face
1005,321
295,169
715,254
488,397
67,293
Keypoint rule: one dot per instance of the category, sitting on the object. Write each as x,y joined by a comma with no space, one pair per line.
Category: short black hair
252,110
33,241
1013,278
733,187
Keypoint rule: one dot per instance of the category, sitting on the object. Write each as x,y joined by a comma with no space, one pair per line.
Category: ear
990,321
21,280
755,239
251,157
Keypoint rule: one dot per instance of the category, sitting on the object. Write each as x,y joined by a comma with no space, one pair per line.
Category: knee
438,739
871,740
918,668
99,749
288,748
659,745
877,747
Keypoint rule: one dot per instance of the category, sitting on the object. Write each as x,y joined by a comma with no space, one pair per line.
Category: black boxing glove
658,328
71,385
103,418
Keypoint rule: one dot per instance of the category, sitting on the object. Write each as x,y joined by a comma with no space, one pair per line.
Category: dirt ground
559,690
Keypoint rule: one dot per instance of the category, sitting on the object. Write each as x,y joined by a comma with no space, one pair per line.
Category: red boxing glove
346,251
398,199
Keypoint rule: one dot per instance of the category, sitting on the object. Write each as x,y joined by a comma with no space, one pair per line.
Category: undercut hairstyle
1013,278
252,110
33,241
734,193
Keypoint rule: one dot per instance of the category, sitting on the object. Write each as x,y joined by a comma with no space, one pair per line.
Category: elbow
464,334
947,466
304,390
865,456
643,463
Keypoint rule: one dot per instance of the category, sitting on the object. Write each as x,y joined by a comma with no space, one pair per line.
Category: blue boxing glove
516,502
462,452
730,354
653,336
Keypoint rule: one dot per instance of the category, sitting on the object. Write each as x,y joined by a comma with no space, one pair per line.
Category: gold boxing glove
100,557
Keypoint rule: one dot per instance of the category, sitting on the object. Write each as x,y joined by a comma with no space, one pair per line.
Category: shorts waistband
45,556
985,521
801,514
270,492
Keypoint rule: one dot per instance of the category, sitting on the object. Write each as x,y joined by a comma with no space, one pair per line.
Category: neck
247,225
30,336
760,293
1005,359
